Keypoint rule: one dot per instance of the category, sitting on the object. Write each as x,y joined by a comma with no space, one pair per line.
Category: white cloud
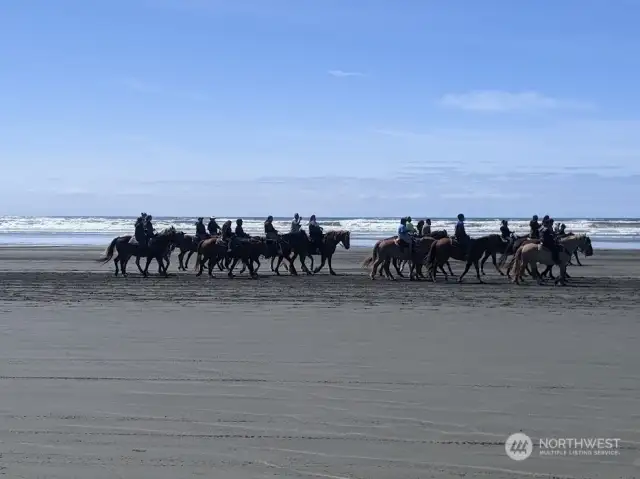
501,101
343,74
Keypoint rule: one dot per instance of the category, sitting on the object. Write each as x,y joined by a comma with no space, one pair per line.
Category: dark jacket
269,228
505,232
148,229
461,233
226,232
140,235
534,229
201,232
548,238
213,227
240,232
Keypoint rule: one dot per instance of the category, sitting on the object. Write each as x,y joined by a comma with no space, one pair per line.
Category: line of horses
435,252
427,255
211,252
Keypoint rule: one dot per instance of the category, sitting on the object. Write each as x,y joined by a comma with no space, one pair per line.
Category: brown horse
445,248
328,247
386,250
189,244
246,250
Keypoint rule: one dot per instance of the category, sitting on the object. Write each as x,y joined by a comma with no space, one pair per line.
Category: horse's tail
431,257
367,262
198,252
108,253
517,260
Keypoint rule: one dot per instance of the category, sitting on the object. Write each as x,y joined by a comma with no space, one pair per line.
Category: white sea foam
62,230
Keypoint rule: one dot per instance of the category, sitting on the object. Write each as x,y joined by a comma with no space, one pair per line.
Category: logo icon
518,446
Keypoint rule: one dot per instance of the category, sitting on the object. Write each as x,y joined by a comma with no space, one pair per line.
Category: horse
159,248
512,246
292,246
189,244
438,234
273,250
445,248
327,249
248,251
531,254
210,251
572,243
385,251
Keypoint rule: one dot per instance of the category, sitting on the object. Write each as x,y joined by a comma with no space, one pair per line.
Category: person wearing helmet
269,230
549,240
505,232
295,224
201,232
461,234
213,226
534,228
315,232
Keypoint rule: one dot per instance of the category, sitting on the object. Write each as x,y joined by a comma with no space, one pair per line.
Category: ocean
100,230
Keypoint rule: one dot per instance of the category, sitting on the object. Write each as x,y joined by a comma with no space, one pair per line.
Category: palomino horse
573,243
386,250
445,248
532,254
330,242
159,248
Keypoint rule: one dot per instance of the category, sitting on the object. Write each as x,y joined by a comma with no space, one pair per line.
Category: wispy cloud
143,86
502,101
344,74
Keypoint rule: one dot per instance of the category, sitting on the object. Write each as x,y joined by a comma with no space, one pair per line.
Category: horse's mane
334,233
167,231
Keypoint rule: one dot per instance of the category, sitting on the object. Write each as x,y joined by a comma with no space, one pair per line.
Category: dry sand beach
327,377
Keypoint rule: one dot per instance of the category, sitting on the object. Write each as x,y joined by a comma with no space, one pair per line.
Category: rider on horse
534,228
295,224
426,229
139,234
410,228
404,238
148,229
505,232
269,230
213,226
460,234
201,232
549,240
315,233
238,234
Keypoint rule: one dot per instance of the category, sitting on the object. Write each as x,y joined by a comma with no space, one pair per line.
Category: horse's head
585,245
345,238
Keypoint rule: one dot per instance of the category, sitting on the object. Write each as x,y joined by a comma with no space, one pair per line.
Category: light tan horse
532,254
571,242
386,250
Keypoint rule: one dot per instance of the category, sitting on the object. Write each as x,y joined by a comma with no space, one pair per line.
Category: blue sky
333,107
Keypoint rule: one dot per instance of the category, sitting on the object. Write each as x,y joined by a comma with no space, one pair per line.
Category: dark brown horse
327,249
292,246
159,248
248,251
443,249
189,244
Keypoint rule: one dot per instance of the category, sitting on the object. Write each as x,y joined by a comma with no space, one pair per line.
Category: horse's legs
374,269
273,258
138,265
186,263
387,263
466,269
210,266
323,260
181,266
115,263
303,265
449,266
146,267
446,276
495,264
484,260
575,253
233,265
476,265
292,265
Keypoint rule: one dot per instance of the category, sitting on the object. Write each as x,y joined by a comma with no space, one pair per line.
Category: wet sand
328,377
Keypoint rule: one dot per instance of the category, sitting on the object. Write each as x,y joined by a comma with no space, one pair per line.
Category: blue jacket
403,233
